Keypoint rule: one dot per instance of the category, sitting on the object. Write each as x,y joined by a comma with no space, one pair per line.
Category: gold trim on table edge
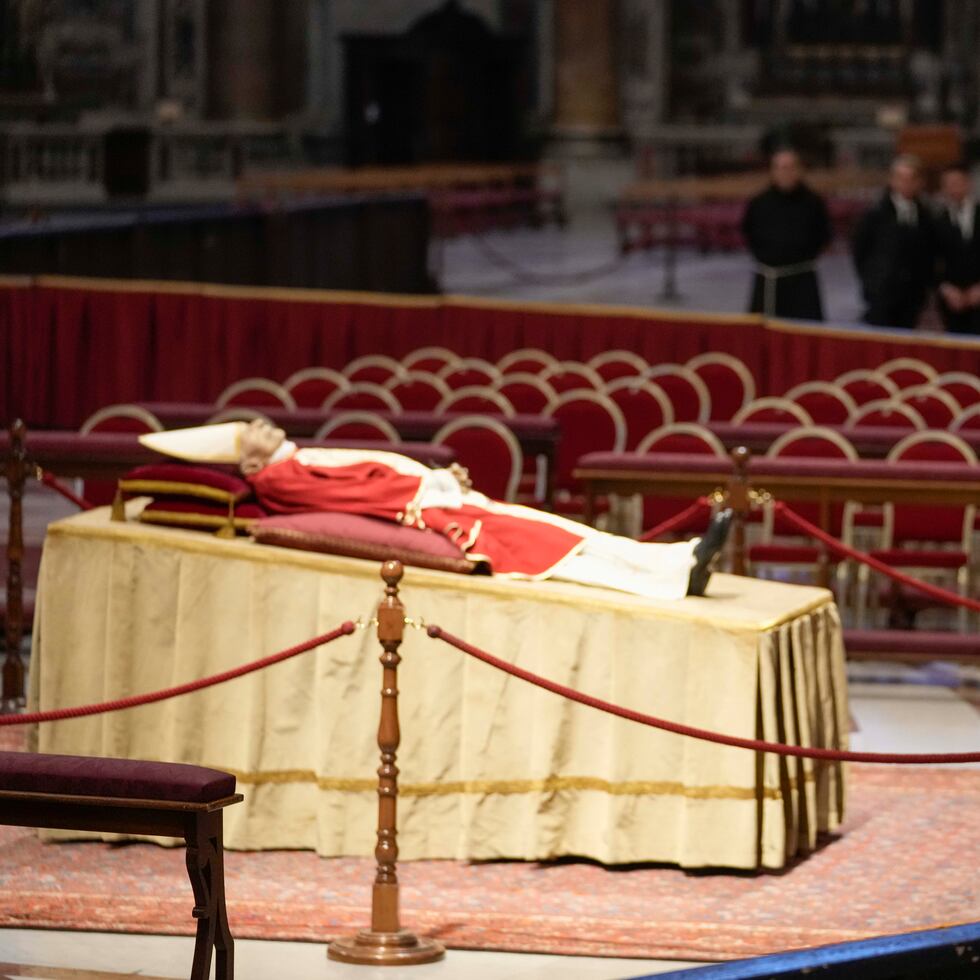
511,787
192,541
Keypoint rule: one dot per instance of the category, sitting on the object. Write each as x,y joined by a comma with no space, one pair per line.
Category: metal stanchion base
386,948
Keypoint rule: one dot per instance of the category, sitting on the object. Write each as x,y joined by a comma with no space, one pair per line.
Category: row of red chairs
923,540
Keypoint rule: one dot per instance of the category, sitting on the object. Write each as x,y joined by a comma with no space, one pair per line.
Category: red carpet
906,860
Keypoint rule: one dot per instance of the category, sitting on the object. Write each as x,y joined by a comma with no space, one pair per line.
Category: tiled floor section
169,957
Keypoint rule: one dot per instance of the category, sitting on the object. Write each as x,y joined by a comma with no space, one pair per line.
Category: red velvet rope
838,546
345,629
50,480
678,520
757,745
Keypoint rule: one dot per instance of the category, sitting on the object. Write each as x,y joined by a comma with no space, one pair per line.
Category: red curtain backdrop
70,346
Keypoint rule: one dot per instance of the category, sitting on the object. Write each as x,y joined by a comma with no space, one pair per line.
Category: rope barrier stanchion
103,707
13,664
386,942
838,547
756,745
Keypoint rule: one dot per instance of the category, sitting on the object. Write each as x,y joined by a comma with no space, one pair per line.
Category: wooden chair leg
223,941
199,859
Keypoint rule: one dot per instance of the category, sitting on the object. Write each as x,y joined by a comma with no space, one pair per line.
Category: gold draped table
490,766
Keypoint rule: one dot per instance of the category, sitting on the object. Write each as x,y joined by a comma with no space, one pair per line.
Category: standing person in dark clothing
894,250
958,247
786,227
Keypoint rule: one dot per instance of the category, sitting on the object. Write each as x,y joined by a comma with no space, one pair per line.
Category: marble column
585,71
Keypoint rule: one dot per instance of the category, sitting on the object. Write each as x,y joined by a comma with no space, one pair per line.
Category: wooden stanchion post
740,503
13,664
386,943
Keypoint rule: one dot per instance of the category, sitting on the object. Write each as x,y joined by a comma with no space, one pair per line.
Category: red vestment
513,540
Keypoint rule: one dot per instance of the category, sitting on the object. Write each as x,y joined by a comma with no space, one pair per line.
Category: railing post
386,943
13,664
739,500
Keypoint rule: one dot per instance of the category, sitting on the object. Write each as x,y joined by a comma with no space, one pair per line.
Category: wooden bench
124,796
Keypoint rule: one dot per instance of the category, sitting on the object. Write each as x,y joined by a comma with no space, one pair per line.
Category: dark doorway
448,89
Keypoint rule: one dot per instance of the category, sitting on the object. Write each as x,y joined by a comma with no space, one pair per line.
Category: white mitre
220,443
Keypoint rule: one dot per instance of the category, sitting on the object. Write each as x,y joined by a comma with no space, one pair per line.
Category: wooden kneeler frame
200,826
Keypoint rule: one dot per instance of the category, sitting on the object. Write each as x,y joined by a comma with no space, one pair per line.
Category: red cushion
912,641
199,514
177,480
363,537
72,775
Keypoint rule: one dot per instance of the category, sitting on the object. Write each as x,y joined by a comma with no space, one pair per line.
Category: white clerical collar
285,450
905,209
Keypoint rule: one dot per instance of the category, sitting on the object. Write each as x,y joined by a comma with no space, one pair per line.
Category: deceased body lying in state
507,539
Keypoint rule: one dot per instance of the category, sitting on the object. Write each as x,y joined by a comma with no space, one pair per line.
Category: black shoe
707,550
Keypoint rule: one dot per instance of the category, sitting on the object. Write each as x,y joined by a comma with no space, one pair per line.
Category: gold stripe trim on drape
514,787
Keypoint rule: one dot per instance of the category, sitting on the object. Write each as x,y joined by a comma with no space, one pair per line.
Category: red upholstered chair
526,392
613,364
806,442
376,368
572,376
937,407
469,372
476,398
418,391
256,393
968,420
357,425
489,450
311,387
825,403
864,385
773,409
688,438
526,360
688,394
885,414
589,422
432,359
644,405
730,383
929,540
965,388
907,372
363,396
115,418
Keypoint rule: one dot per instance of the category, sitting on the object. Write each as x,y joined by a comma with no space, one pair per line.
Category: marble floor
581,264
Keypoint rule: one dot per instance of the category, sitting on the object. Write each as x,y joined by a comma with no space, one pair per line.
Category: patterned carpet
905,860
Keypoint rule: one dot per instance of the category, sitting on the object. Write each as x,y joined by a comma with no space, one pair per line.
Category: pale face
259,441
956,186
905,180
785,170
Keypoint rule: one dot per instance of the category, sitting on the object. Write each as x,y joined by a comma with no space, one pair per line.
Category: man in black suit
894,250
958,258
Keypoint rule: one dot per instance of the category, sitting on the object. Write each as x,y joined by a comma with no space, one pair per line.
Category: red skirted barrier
70,346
